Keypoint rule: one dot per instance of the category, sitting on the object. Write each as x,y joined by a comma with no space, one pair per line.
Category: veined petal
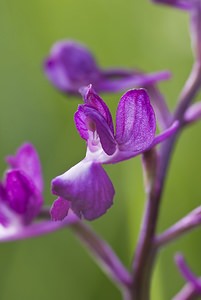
59,209
27,160
135,121
94,100
22,196
81,123
88,187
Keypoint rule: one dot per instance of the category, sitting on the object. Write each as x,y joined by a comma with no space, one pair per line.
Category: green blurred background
125,33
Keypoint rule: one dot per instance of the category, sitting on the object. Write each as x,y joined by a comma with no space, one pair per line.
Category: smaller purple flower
71,66
21,191
21,199
86,186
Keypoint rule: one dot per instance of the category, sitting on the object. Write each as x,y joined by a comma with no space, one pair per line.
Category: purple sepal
94,100
187,273
135,121
59,209
87,187
96,123
27,160
71,66
93,127
22,196
181,4
81,123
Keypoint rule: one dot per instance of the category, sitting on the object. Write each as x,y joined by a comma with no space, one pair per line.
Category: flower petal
94,100
89,119
59,209
88,188
81,123
135,121
95,116
22,195
27,160
70,66
101,126
127,154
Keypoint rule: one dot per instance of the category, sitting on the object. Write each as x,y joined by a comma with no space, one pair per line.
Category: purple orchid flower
71,66
21,198
86,187
21,191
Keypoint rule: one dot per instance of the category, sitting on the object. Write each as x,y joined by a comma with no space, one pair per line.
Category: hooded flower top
86,186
